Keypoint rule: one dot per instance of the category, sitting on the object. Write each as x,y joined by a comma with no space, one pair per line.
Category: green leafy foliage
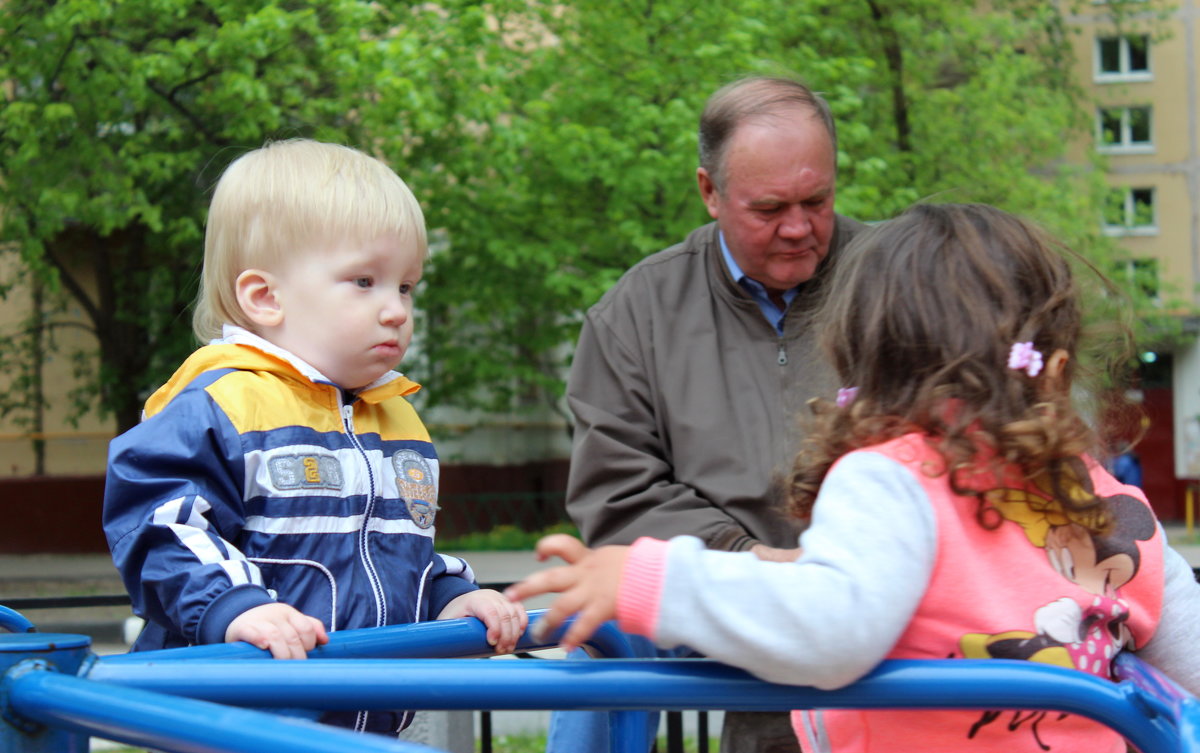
503,538
552,145
119,118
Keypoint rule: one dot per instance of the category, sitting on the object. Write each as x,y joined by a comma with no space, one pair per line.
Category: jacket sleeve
1173,646
622,482
449,578
172,507
824,620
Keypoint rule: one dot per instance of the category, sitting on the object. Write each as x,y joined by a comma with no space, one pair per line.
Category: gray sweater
685,401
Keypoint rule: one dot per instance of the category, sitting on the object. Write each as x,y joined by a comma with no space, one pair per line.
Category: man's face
776,207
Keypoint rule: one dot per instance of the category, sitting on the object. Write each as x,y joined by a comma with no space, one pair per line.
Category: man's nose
795,222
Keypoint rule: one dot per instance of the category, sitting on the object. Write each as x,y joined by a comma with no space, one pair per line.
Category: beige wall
69,450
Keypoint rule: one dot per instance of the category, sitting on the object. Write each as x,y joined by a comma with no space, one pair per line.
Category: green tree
570,155
570,152
551,144
119,117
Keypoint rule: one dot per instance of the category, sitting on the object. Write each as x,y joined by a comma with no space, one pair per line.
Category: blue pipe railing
442,639
137,717
639,684
145,699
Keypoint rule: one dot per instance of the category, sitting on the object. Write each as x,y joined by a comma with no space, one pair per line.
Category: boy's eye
363,282
406,288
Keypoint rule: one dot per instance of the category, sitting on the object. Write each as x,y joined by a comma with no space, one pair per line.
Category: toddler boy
280,487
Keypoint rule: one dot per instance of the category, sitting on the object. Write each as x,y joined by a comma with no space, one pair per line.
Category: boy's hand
505,621
588,585
287,632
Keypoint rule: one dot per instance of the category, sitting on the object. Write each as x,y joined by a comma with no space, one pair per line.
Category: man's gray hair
754,96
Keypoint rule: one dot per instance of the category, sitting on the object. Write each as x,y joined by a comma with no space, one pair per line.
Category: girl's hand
588,585
505,621
280,628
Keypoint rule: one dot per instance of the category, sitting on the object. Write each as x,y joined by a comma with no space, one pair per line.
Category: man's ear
708,191
256,295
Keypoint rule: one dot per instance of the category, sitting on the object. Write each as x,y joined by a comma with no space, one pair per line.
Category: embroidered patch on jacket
305,472
414,479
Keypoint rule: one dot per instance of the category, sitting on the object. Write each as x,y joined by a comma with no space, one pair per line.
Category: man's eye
363,282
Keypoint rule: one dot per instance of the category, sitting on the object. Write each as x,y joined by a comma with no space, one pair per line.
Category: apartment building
1142,74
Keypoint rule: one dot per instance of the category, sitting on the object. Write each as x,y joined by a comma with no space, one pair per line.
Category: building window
1130,211
1142,275
1124,129
1125,58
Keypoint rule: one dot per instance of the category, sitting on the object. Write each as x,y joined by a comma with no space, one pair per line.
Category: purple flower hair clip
1024,357
846,395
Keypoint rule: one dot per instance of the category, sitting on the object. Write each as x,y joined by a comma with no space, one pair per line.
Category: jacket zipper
782,360
364,552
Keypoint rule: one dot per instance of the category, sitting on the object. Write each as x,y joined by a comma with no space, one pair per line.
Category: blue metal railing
145,699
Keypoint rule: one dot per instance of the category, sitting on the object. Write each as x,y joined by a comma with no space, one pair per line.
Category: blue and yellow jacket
254,479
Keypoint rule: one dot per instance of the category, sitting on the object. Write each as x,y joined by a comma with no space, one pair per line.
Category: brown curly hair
920,314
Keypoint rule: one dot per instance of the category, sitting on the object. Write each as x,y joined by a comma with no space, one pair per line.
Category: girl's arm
824,620
1173,646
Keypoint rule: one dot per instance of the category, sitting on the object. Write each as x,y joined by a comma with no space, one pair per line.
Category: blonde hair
289,197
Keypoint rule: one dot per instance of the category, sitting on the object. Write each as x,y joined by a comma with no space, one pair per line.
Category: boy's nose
394,311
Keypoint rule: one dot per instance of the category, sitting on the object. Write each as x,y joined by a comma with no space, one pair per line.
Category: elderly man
690,372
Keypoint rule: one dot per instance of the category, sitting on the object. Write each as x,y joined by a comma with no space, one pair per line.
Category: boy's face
347,308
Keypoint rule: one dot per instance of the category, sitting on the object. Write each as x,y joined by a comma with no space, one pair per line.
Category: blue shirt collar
757,290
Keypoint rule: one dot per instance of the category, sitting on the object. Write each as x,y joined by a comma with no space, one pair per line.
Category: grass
537,744
501,538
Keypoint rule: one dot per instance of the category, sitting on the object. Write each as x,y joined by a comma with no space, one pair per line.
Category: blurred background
551,145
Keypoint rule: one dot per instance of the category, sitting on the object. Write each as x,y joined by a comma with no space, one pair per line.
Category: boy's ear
257,299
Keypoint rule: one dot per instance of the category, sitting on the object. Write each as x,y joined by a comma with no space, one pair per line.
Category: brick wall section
61,514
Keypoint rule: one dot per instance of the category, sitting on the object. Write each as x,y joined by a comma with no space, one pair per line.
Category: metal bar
15,622
485,732
441,639
67,602
144,719
674,732
625,684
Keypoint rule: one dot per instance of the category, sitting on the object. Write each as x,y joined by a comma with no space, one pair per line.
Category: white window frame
1124,74
1131,273
1128,228
1126,145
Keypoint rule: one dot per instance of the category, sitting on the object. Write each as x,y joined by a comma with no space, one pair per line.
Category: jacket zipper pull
348,417
782,355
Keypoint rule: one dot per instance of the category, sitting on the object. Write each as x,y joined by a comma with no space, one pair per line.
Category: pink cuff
640,592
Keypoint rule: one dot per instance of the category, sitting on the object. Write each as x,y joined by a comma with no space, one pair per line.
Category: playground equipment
55,692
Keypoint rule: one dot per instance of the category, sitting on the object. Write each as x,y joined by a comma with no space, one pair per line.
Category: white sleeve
828,618
1173,646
